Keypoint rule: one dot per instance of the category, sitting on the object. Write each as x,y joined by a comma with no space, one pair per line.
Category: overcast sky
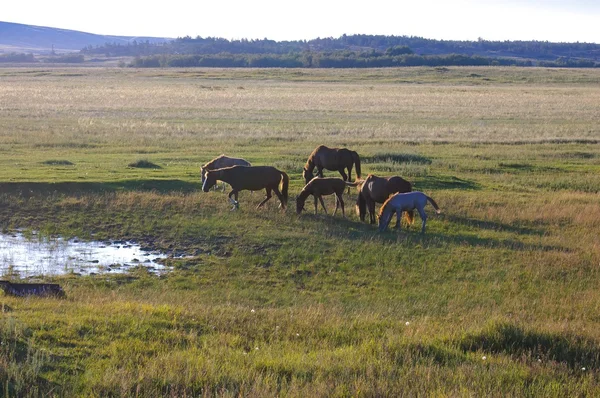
552,20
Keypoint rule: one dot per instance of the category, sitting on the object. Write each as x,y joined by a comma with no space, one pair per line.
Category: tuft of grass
58,163
143,164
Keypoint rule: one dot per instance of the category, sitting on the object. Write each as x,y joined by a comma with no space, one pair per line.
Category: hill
15,37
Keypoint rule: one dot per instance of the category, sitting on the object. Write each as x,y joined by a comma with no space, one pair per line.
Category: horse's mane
384,205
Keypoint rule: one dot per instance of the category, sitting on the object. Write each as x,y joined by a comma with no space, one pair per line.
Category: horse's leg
341,201
234,202
371,206
267,198
423,219
279,196
319,171
322,203
316,203
398,218
337,203
344,176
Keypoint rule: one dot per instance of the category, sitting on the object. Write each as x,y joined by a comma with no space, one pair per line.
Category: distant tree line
340,59
374,49
30,58
17,58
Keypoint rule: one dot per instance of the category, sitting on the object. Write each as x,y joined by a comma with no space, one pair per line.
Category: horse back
326,186
251,177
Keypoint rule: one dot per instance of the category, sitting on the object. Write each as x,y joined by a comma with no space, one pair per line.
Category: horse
407,202
377,190
252,178
220,162
317,187
333,159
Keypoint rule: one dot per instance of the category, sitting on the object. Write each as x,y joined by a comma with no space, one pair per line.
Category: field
500,297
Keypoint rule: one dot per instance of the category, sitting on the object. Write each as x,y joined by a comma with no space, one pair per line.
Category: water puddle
33,256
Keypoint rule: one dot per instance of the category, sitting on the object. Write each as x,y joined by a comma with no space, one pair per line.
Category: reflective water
31,256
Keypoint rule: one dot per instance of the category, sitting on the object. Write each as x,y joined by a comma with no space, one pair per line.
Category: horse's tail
361,206
284,187
354,184
356,160
435,205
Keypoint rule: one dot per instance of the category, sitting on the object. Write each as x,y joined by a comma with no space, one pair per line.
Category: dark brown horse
252,178
317,187
335,159
377,190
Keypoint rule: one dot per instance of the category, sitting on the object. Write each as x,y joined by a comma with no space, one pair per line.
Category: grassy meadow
500,297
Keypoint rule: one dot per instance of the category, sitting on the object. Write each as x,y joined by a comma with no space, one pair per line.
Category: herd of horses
395,193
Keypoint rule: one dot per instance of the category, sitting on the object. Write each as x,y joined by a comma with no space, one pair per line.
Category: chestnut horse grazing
220,162
252,178
407,202
333,159
377,190
317,187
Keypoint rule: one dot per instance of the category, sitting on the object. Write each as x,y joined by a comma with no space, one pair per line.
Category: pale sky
551,20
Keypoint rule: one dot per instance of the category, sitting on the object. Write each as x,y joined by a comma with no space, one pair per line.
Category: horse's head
384,217
299,204
308,175
209,179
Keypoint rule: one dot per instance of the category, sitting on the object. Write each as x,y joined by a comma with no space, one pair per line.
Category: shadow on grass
438,240
30,189
574,351
491,225
444,182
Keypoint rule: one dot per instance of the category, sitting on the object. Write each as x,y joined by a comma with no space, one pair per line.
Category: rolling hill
15,37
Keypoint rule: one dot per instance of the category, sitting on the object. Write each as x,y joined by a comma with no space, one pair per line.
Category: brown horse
333,159
220,162
317,187
252,178
377,190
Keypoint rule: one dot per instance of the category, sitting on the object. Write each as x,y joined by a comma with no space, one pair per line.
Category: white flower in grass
297,334
252,310
407,323
484,357
256,348
583,369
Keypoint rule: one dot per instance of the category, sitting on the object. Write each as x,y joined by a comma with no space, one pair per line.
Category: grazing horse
220,162
252,178
407,202
377,190
317,187
333,159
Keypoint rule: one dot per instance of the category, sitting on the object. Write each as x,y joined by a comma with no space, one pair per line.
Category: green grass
268,303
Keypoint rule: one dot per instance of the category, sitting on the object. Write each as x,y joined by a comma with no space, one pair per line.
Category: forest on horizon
347,51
